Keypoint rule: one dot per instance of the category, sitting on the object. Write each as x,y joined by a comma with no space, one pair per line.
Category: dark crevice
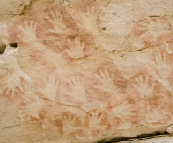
154,16
14,45
104,28
26,9
139,49
138,137
2,48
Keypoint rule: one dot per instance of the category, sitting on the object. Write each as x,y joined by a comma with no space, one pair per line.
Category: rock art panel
85,71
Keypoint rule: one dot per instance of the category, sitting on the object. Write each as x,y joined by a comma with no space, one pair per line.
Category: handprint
12,83
31,110
153,116
86,21
49,91
91,19
163,68
57,22
94,121
76,50
77,89
68,124
29,34
143,87
107,84
123,110
15,73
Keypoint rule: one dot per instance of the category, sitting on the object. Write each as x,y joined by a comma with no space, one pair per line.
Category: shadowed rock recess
86,71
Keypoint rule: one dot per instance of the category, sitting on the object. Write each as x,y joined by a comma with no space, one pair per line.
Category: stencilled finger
26,26
20,87
98,87
78,80
31,24
13,90
34,26
70,42
53,80
146,79
73,119
83,44
137,80
74,81
102,74
21,28
77,41
49,19
92,10
45,80
53,15
153,84
106,73
159,58
164,58
141,79
100,118
96,114
70,83
52,30
56,83
7,90
97,76
135,85
5,86
64,118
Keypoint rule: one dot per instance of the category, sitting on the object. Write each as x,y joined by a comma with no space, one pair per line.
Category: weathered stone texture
85,70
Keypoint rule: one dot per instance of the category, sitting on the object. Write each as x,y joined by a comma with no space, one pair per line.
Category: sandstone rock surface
82,71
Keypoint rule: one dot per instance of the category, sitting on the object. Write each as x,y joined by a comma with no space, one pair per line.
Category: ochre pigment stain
82,71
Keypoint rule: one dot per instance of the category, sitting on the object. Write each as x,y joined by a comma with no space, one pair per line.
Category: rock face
82,71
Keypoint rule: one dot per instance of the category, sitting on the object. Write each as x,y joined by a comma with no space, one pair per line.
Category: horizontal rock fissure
138,137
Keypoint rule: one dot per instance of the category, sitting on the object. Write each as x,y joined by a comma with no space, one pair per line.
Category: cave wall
85,70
